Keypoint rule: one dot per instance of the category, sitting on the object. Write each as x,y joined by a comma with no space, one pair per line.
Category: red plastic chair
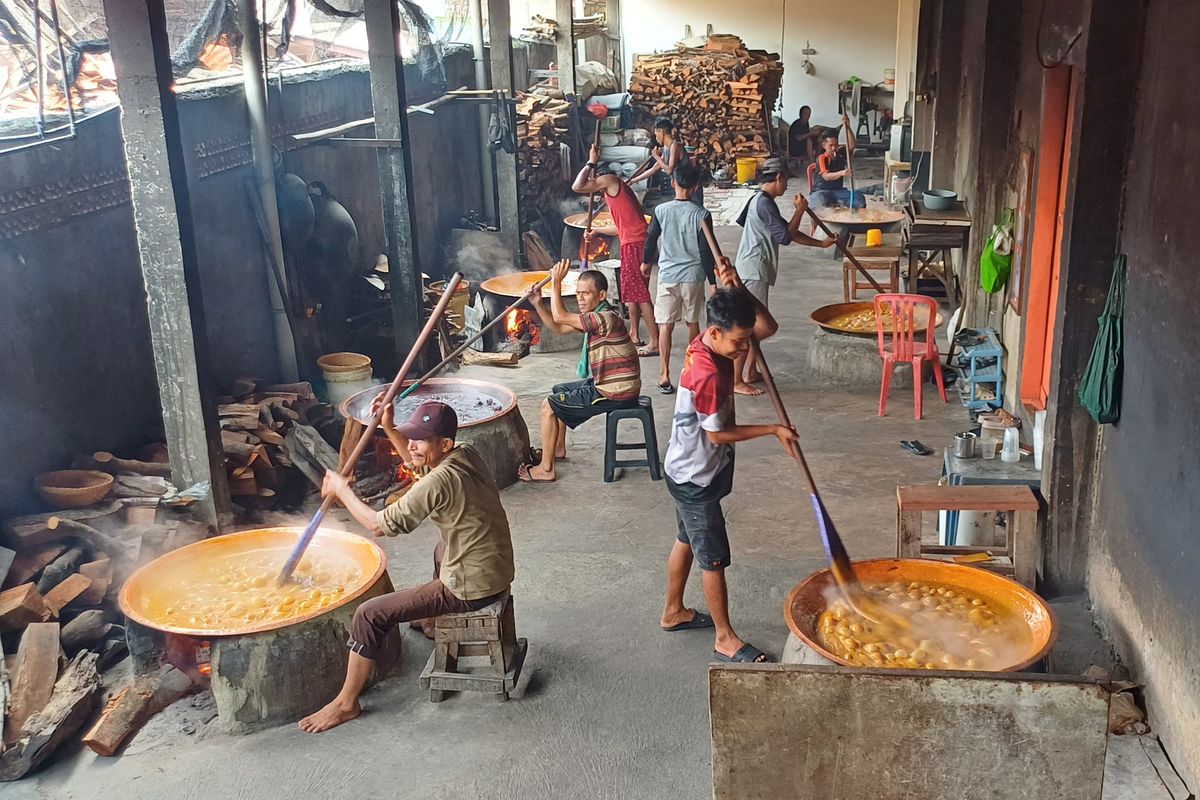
903,346
812,171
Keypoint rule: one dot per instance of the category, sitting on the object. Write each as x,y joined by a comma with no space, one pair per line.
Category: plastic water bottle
1011,453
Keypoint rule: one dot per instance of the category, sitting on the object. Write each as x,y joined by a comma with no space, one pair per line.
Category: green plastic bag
995,263
1100,390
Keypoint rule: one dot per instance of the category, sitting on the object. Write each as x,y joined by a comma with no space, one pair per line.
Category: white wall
850,39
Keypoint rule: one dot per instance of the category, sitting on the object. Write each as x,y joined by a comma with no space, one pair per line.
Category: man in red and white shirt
700,458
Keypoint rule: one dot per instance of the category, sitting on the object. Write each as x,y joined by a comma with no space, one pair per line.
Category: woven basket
73,488
343,362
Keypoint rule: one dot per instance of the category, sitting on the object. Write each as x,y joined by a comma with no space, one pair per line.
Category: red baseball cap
431,419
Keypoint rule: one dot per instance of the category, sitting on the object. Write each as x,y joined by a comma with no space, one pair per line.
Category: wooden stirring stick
348,467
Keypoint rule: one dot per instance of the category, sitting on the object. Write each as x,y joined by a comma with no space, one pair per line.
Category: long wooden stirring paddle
843,572
347,468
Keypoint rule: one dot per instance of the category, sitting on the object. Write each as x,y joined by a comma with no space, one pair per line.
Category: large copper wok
151,589
515,284
825,316
808,600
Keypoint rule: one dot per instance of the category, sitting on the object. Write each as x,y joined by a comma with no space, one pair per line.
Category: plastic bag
995,263
1100,389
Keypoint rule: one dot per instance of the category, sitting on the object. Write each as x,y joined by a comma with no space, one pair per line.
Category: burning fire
519,324
593,249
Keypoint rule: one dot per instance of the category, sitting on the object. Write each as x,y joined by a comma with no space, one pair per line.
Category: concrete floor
611,707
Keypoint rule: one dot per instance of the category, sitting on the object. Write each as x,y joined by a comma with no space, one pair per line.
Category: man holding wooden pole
473,562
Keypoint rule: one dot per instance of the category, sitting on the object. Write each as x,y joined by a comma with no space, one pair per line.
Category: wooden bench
1018,558
490,633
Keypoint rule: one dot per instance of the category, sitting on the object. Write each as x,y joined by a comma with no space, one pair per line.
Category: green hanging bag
1100,390
995,263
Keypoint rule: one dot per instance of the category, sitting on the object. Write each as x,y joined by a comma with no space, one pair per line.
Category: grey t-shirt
763,230
674,229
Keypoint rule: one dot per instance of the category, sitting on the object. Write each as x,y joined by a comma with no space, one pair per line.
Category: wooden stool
873,259
1018,558
488,633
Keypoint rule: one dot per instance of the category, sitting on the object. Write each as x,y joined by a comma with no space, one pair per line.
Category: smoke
478,255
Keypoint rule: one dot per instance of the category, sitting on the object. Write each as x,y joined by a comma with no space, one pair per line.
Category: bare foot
535,474
332,715
746,389
754,377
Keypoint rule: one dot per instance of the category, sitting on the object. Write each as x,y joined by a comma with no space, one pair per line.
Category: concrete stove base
262,680
842,360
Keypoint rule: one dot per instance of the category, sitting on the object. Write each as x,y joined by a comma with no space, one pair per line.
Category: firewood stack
257,433
59,598
542,29
719,95
543,126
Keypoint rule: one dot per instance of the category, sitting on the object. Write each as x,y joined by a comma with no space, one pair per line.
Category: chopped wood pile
257,425
543,29
719,95
543,130
59,598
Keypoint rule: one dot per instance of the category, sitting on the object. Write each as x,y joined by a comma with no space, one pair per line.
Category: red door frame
1045,252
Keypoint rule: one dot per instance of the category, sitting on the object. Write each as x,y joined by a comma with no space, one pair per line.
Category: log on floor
70,704
133,705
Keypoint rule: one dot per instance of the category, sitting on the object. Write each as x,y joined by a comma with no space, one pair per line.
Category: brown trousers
375,618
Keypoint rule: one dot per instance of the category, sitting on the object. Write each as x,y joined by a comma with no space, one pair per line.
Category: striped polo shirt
612,357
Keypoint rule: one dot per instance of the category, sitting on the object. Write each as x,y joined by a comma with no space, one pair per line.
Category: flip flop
746,654
526,476
700,620
666,388
645,352
638,343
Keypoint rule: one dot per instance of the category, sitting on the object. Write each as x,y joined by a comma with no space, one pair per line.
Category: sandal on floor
638,343
644,351
666,388
700,620
524,474
747,654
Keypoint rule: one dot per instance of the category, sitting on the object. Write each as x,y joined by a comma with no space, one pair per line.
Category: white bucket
345,374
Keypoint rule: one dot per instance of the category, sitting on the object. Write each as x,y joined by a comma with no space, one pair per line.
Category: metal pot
964,444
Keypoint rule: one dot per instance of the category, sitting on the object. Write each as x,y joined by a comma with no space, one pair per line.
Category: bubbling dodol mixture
944,627
224,591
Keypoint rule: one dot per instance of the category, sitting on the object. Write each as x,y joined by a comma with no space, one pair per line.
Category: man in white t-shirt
699,461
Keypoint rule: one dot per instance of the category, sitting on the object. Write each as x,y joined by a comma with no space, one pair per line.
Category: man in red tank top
630,222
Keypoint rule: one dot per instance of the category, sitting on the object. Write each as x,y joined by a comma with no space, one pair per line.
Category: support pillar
486,171
564,14
395,165
162,216
264,180
508,206
612,19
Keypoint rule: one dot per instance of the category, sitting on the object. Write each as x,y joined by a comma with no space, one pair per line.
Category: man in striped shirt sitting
609,372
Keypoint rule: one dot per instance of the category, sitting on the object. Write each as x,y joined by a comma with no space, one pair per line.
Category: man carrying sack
472,564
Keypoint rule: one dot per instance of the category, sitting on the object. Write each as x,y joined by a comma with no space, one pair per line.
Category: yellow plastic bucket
747,168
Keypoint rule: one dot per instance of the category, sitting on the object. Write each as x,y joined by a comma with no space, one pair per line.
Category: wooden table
934,235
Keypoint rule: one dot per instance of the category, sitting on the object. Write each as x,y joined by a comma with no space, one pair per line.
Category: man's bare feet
747,390
332,715
535,474
754,377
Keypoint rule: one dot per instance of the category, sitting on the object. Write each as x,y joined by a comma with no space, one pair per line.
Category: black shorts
577,402
700,518
702,526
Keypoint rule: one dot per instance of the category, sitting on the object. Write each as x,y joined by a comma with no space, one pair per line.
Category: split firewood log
70,705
